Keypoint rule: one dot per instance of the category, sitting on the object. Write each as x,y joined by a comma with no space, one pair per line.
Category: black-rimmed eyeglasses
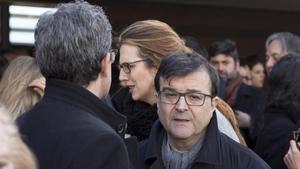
191,98
127,66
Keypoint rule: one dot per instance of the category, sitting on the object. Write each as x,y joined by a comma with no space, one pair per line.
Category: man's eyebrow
187,91
194,91
168,88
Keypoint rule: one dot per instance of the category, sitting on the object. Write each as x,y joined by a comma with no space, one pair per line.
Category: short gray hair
289,42
71,42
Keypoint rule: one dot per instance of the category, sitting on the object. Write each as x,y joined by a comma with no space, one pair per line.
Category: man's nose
269,64
181,104
220,67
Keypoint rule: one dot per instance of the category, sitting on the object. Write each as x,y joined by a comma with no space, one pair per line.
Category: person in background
278,45
186,136
282,112
19,87
142,46
244,72
71,127
257,74
245,100
14,154
257,71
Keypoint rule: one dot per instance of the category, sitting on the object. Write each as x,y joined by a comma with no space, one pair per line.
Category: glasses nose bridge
181,105
122,75
184,98
126,68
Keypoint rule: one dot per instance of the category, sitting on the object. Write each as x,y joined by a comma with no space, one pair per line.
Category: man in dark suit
71,127
246,100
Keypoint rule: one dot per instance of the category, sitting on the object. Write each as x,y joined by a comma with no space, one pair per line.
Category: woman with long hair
282,113
143,44
20,86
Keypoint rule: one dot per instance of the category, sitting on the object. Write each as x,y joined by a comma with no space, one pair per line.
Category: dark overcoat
71,128
218,151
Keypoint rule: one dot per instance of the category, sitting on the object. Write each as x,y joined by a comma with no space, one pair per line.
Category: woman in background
253,66
21,86
282,113
142,46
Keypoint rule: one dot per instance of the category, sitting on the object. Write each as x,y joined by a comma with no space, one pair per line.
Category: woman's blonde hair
227,111
13,151
15,93
154,39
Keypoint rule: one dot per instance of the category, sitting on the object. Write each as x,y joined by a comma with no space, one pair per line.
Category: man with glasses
186,134
71,127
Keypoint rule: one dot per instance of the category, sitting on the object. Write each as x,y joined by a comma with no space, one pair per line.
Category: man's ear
105,64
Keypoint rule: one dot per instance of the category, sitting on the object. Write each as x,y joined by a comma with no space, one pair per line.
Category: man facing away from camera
186,135
71,128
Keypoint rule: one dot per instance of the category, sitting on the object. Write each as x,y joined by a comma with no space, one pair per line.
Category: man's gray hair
289,42
71,42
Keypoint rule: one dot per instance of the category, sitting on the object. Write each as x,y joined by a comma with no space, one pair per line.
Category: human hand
243,119
292,157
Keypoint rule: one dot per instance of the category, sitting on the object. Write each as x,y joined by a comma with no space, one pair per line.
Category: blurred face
274,53
258,75
245,74
140,79
180,120
226,66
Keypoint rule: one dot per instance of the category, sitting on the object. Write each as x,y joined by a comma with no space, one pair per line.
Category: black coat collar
82,98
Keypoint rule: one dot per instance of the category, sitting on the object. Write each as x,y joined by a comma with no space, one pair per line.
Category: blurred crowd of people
175,104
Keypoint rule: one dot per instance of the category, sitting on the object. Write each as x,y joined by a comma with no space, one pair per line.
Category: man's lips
181,120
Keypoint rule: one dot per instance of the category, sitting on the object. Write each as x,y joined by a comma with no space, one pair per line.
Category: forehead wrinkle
188,90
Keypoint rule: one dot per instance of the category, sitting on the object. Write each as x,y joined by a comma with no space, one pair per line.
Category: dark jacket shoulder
218,151
72,128
250,100
273,140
